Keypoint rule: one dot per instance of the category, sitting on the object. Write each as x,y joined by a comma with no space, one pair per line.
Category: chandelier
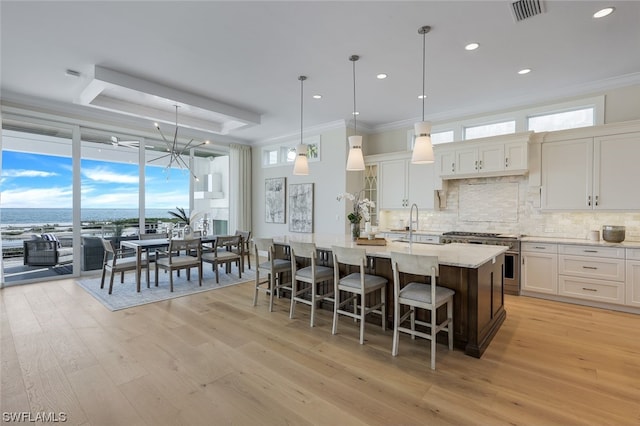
175,152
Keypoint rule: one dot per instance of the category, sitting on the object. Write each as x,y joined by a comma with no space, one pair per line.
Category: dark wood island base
478,310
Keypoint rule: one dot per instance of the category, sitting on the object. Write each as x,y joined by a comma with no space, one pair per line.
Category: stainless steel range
511,273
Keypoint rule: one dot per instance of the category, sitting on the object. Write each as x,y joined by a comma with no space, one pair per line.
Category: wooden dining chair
358,285
114,261
246,245
227,249
182,254
420,295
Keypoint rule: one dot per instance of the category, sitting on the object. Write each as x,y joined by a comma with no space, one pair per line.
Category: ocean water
63,217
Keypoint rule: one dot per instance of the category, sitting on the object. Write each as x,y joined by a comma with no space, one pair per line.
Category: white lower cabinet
607,275
632,297
592,273
540,267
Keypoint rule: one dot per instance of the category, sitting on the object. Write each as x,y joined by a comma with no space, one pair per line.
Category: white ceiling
248,55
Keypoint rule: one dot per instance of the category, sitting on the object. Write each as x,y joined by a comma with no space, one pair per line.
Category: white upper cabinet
616,165
595,173
566,174
402,183
495,156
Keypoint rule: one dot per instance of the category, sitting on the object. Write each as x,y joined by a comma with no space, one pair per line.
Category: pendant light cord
354,58
424,35
355,116
302,78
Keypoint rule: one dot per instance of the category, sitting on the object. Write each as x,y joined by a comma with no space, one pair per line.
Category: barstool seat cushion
322,272
279,265
370,281
422,293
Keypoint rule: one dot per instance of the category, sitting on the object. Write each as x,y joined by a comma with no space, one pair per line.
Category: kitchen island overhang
473,271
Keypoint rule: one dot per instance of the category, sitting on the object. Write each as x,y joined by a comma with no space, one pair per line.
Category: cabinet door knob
453,167
596,200
506,162
476,164
589,200
480,165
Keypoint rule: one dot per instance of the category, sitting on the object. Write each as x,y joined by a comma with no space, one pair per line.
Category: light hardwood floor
213,359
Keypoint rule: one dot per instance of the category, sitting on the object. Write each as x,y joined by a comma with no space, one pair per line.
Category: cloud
37,197
103,174
27,173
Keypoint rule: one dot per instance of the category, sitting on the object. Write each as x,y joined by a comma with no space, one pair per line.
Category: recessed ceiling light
317,96
422,96
472,46
524,71
604,12
381,76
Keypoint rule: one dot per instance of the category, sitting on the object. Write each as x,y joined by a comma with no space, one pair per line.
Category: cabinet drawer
633,254
592,251
591,267
584,288
431,239
539,247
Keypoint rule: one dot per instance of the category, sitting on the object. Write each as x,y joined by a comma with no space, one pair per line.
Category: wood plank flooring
213,359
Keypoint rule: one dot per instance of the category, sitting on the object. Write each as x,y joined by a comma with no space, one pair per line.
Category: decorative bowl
613,233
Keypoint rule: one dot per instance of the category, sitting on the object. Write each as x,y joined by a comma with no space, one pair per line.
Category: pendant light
422,147
355,160
301,165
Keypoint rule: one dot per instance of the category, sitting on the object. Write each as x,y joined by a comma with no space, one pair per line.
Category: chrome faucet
411,222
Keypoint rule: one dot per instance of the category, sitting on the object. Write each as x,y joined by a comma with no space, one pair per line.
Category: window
442,137
270,157
486,130
285,153
561,120
36,202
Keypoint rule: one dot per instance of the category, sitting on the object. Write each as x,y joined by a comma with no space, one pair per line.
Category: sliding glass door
36,202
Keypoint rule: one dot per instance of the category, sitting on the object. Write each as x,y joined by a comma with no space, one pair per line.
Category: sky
45,181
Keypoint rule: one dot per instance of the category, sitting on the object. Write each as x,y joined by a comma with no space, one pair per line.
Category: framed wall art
301,207
274,200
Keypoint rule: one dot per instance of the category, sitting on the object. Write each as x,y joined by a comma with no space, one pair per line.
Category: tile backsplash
507,205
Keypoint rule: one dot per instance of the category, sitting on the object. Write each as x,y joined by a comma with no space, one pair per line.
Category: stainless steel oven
511,274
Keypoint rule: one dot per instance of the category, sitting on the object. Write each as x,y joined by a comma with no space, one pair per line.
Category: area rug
124,295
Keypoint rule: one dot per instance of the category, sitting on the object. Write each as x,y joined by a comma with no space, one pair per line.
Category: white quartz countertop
579,241
459,255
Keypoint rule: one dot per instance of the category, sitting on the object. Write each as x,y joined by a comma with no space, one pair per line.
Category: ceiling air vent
523,9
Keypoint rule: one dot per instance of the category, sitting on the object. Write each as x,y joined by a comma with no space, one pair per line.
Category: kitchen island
473,271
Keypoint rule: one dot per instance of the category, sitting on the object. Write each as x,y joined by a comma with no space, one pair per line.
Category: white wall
328,176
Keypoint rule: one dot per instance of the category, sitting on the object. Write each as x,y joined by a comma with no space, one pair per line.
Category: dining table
146,246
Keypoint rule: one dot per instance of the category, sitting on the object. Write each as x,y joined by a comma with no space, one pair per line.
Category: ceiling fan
115,141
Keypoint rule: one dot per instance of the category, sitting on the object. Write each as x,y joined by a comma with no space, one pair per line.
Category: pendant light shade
355,160
301,164
422,147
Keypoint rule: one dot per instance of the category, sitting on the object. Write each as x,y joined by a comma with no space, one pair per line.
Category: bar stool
419,295
358,284
312,274
274,268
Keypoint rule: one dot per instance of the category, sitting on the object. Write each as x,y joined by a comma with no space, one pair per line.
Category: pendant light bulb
355,159
422,147
301,164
